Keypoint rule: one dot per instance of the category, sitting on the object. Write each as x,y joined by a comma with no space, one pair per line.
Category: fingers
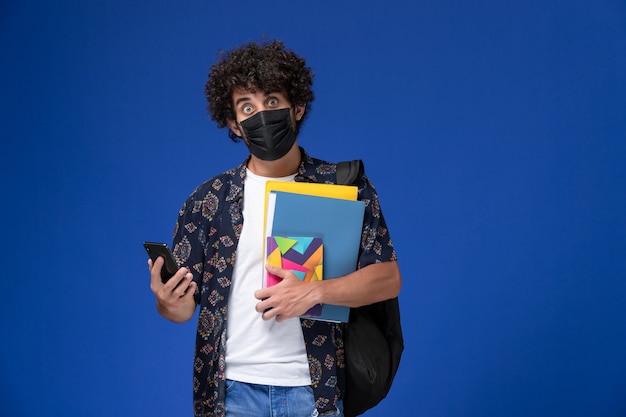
276,270
180,285
277,313
284,300
155,273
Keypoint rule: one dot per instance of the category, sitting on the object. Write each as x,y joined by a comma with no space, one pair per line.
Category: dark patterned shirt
205,239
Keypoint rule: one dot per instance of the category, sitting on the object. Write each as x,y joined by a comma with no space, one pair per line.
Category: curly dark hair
268,67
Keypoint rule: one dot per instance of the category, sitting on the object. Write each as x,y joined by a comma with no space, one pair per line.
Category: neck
282,167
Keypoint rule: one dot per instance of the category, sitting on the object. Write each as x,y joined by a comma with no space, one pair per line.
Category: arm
174,299
368,285
292,297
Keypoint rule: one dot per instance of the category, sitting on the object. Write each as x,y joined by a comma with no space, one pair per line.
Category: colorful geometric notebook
301,255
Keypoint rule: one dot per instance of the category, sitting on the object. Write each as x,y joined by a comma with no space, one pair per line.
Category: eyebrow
246,98
241,100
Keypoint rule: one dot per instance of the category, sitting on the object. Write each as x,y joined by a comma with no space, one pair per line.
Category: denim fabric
245,400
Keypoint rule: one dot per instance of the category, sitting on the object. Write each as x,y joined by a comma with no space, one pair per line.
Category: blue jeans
245,400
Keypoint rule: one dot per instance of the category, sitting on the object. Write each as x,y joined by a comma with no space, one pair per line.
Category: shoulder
316,170
319,170
216,192
221,184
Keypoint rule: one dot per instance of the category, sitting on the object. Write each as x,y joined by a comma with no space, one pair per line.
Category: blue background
495,133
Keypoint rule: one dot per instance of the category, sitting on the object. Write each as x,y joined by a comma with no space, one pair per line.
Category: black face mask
269,134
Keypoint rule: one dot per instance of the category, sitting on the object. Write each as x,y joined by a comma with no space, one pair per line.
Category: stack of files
323,211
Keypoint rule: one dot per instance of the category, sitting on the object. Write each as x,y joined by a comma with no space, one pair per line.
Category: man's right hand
175,298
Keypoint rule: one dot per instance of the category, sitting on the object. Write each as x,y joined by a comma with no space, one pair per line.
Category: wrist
317,292
177,314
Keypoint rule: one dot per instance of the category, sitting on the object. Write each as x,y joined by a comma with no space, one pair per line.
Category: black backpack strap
373,341
348,172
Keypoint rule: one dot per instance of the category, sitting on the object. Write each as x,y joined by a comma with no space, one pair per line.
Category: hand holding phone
170,266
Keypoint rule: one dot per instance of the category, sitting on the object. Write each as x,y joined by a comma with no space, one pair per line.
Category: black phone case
170,266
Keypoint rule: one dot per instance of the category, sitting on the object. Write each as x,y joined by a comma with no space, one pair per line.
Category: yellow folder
346,192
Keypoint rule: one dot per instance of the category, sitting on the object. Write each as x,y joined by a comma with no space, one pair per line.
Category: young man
254,356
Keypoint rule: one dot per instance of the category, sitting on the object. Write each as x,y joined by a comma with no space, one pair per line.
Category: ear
299,111
235,128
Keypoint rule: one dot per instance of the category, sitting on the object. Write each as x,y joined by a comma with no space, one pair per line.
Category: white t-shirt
259,351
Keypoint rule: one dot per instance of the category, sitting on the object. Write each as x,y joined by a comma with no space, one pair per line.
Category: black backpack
373,339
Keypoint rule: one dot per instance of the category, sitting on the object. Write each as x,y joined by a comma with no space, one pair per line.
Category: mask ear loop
292,120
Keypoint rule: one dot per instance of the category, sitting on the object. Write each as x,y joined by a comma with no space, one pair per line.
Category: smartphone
170,267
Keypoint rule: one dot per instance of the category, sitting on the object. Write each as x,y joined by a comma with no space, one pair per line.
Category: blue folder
337,222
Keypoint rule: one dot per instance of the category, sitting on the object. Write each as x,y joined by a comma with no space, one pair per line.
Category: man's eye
247,109
272,102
